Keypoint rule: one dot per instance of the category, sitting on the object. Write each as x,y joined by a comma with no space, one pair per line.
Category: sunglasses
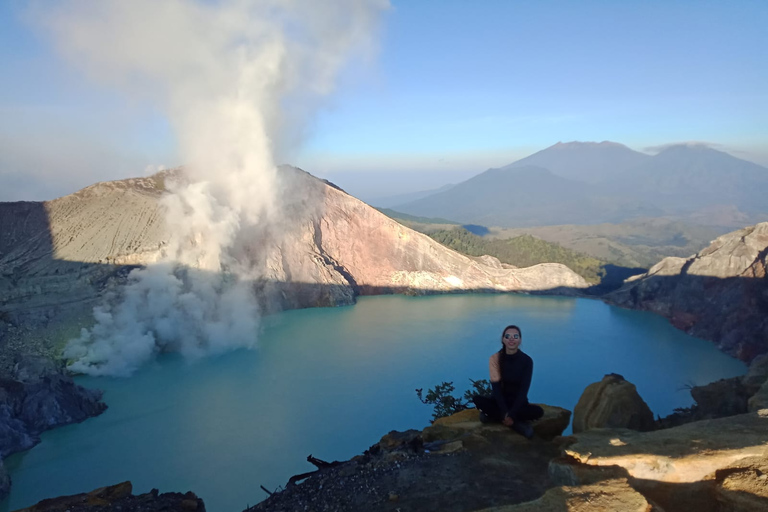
513,336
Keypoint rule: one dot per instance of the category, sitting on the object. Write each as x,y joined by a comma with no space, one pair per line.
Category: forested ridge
521,251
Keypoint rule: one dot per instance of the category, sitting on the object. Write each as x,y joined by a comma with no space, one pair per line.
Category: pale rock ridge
60,257
379,253
720,293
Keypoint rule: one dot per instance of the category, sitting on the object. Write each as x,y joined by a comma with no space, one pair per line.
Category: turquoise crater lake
331,382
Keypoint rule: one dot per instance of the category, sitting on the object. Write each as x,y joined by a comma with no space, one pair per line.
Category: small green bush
445,404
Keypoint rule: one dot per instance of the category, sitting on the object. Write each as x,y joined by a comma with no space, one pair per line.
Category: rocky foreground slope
462,465
58,258
719,294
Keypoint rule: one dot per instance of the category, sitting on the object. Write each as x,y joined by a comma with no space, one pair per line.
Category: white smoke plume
238,80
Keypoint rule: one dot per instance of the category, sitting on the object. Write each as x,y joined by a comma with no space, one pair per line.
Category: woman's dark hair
503,348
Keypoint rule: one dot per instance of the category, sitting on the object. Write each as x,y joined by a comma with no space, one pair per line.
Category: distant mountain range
592,183
388,201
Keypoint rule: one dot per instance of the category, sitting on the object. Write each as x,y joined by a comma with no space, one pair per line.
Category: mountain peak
591,162
576,144
692,147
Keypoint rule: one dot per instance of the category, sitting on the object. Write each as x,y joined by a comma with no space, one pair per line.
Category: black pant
488,405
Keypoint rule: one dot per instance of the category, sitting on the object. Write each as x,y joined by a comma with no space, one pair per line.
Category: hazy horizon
380,183
445,94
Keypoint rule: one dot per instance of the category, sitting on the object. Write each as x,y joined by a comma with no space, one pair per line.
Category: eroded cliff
719,294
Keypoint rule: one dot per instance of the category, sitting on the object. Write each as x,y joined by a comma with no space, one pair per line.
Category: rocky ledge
39,395
708,466
619,460
120,497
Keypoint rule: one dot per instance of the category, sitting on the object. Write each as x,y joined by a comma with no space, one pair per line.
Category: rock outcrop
759,400
59,257
40,396
458,463
120,497
613,402
757,374
677,468
5,481
725,397
682,454
719,294
456,426
708,466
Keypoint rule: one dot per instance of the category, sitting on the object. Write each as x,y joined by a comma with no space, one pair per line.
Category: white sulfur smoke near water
238,80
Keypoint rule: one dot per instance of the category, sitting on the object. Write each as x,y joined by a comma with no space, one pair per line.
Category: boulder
395,440
759,400
613,402
553,423
725,397
757,374
683,454
607,496
743,485
461,417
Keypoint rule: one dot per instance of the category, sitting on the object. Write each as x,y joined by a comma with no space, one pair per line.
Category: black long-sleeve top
511,380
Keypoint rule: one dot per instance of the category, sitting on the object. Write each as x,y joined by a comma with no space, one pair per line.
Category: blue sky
456,87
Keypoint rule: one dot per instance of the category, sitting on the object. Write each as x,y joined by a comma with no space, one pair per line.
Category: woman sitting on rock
511,371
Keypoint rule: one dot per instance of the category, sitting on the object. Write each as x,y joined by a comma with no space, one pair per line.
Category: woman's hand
508,421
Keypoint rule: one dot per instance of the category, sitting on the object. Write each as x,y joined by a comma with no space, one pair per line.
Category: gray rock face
614,403
5,481
40,397
719,294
